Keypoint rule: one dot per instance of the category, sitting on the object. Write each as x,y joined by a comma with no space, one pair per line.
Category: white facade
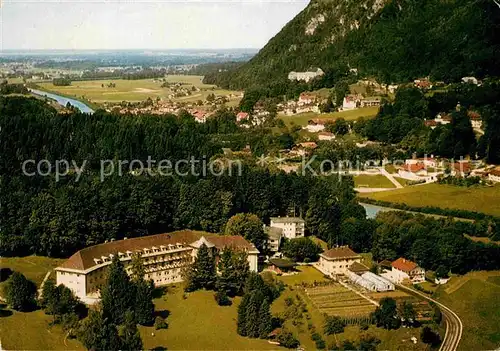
85,272
494,176
293,227
337,261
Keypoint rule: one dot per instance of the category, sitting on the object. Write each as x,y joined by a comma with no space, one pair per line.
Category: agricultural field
306,274
422,308
97,91
480,199
372,181
474,297
351,115
337,300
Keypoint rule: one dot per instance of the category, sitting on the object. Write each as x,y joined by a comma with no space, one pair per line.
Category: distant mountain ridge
393,40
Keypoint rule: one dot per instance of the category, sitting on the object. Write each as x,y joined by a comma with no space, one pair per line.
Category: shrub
334,325
160,323
286,339
222,299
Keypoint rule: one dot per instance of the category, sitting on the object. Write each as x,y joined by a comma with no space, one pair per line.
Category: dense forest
393,40
50,216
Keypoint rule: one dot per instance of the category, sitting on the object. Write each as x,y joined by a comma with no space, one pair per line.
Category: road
390,177
454,326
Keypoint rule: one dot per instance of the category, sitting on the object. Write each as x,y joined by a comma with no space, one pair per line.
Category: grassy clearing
17,80
352,115
306,274
198,323
31,331
474,297
135,90
480,199
33,267
372,181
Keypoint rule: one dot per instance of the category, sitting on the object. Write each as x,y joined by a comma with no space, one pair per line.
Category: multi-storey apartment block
293,227
164,257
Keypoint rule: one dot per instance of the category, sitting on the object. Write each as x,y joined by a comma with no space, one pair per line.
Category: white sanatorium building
337,260
293,227
163,255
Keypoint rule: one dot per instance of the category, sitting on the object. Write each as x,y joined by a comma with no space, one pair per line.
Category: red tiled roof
316,121
404,265
430,123
309,145
242,115
340,252
495,173
474,115
414,167
326,134
84,258
462,167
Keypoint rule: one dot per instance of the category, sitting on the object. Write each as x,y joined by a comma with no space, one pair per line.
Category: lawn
475,298
306,274
33,267
134,90
198,323
480,199
372,181
31,331
351,115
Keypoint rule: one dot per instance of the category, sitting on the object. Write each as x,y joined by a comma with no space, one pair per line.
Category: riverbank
92,105
63,100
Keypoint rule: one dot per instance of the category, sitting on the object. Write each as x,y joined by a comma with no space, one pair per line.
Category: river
61,100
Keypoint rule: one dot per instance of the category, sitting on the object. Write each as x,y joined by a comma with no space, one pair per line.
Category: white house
274,238
494,176
315,125
306,99
164,257
293,227
472,80
326,136
403,269
337,260
351,102
443,118
305,76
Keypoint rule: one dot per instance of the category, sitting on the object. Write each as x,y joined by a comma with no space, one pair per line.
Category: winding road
454,326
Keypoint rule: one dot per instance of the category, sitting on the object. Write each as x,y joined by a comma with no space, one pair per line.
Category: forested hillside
393,40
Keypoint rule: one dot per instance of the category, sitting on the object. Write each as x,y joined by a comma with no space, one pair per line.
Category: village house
164,257
413,171
280,265
337,260
443,118
241,116
430,123
275,235
475,119
471,80
351,102
326,136
372,102
306,99
292,227
423,83
403,269
461,169
199,116
303,149
315,125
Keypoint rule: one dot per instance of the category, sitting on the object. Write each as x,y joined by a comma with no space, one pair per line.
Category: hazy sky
161,24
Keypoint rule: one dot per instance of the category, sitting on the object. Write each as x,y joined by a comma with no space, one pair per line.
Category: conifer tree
117,295
242,315
253,314
130,339
99,333
144,306
201,274
266,323
143,299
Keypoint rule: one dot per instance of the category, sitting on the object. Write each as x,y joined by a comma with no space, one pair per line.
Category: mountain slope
393,40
